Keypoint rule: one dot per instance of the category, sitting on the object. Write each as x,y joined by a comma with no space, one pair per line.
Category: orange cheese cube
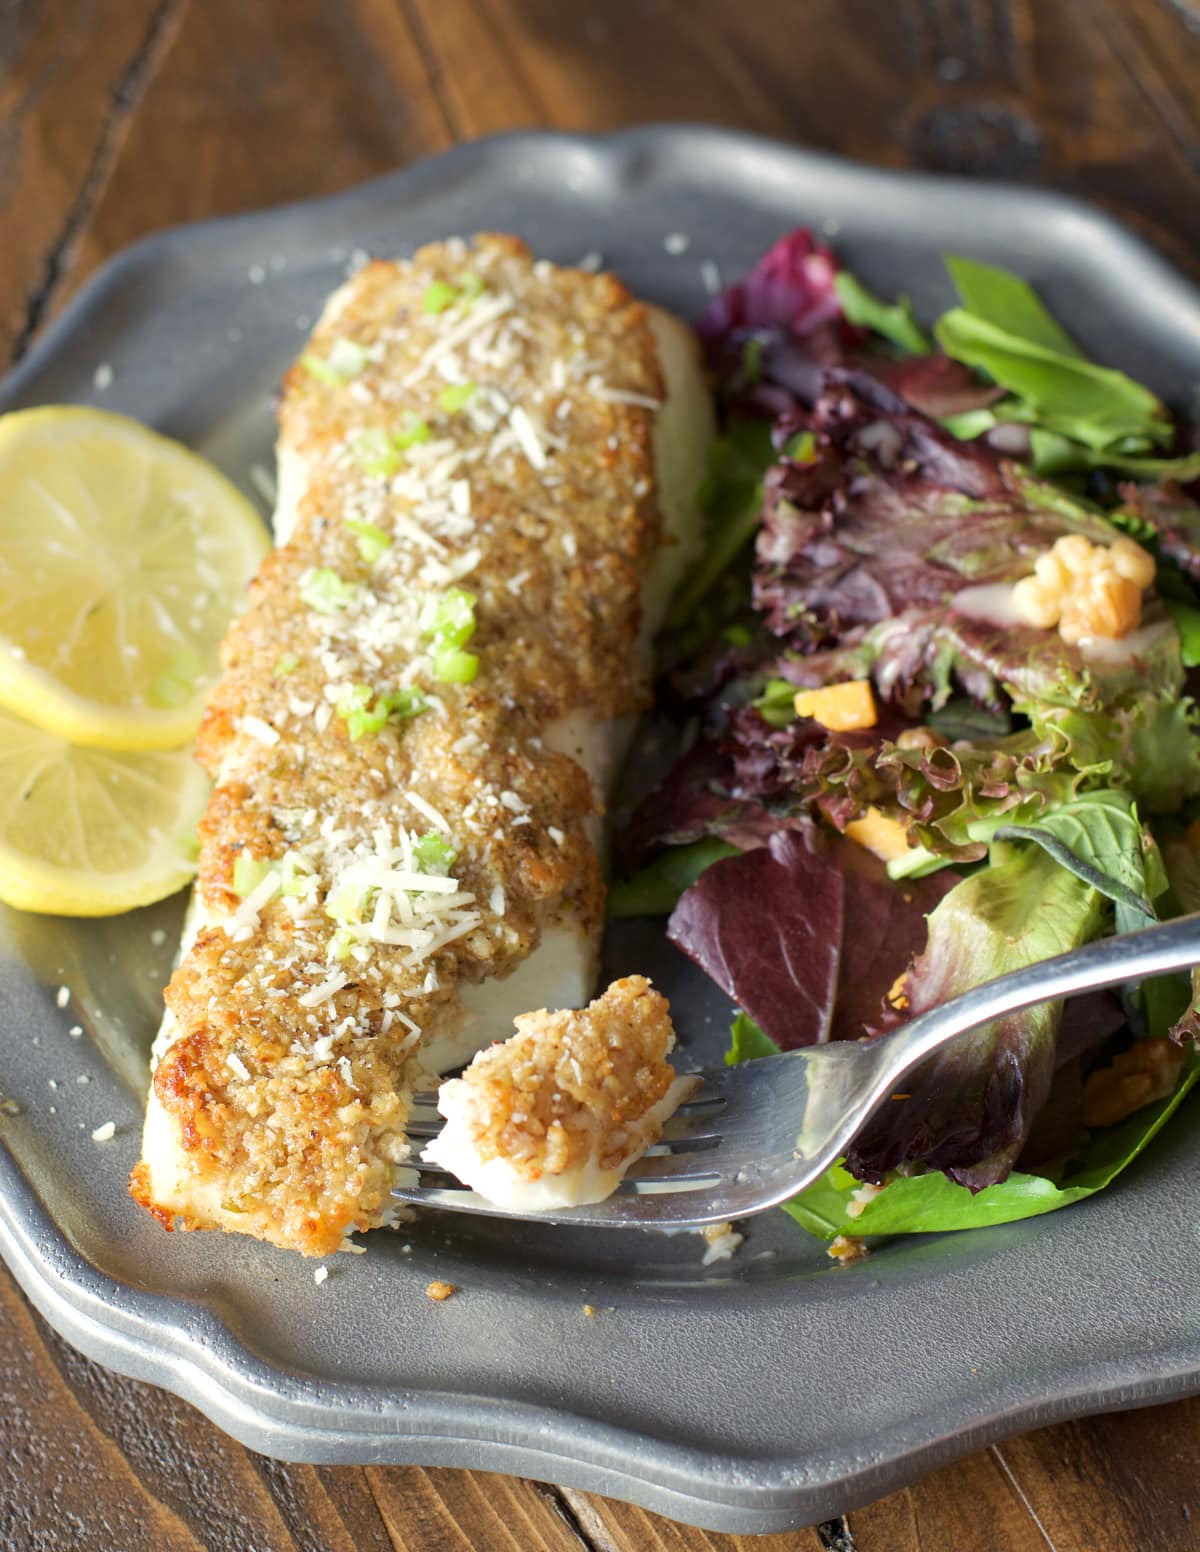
885,837
839,707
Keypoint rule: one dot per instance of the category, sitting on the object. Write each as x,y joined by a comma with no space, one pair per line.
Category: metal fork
755,1134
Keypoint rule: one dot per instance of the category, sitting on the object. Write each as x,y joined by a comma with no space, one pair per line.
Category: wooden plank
260,103
61,1476
995,88
618,1527
1121,1482
133,1467
469,1511
968,1507
1124,1482
1156,42
70,78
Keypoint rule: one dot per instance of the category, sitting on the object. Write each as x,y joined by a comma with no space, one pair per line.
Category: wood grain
71,77
118,117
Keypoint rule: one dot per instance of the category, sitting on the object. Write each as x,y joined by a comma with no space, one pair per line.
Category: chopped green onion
451,665
326,592
319,368
372,541
362,717
374,450
293,874
802,448
455,396
344,361
433,853
344,906
450,623
777,703
248,874
450,619
438,296
189,845
412,431
286,663
471,286
341,945
406,703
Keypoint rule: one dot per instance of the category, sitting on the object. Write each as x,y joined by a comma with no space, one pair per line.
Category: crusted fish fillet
398,858
555,1115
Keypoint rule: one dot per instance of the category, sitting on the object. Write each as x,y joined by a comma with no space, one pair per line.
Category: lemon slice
122,558
89,832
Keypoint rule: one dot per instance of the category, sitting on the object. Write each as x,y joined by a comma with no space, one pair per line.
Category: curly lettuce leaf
1147,742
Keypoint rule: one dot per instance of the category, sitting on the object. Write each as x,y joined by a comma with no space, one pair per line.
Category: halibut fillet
488,471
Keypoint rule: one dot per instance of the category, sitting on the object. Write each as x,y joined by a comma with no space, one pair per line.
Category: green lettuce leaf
655,889
1098,837
1091,404
894,320
731,501
1009,303
930,1203
1054,454
747,1040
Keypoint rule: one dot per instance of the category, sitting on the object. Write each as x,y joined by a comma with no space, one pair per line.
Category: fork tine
683,1132
691,1167
710,1094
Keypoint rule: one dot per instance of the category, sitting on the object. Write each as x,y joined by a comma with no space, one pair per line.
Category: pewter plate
758,1393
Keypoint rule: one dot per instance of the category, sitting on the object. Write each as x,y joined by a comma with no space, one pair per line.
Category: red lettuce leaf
791,288
935,385
806,934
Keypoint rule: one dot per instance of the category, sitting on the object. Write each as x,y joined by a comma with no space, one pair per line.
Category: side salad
939,663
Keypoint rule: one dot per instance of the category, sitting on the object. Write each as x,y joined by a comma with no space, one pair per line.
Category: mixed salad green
875,495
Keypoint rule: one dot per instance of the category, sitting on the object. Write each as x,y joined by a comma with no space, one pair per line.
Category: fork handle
1151,951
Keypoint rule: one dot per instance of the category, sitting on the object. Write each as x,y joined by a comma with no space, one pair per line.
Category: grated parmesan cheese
322,993
259,730
527,438
428,810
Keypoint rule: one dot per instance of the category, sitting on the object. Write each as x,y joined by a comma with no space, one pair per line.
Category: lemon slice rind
92,832
71,480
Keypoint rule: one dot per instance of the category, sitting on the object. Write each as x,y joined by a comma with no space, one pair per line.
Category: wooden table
118,117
